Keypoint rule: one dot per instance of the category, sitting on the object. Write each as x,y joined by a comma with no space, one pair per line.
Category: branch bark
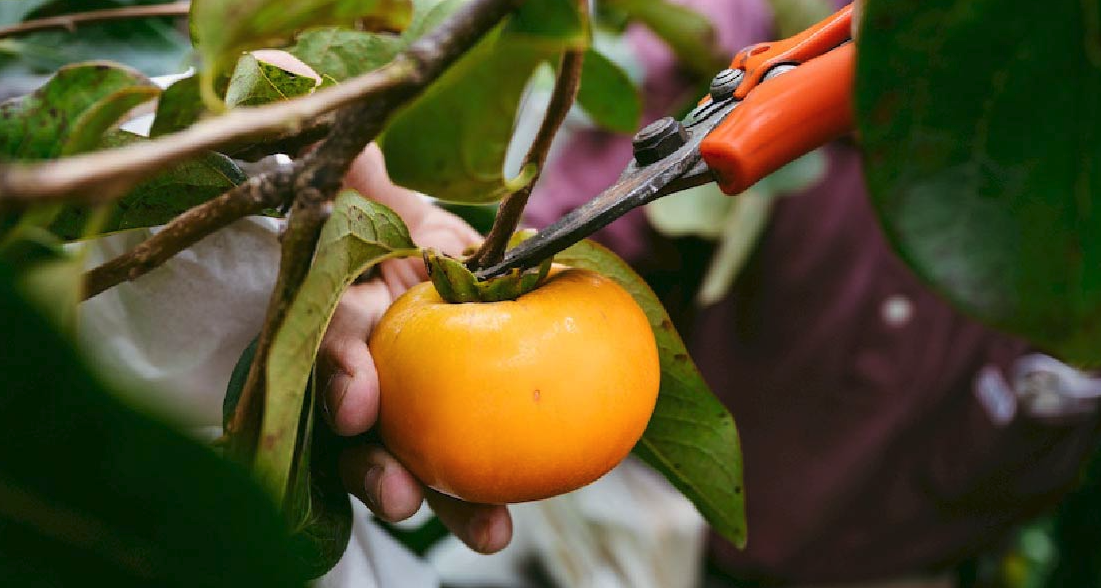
189,228
69,22
103,176
322,173
512,206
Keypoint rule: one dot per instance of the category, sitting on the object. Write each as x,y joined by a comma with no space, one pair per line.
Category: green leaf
157,200
742,226
688,33
180,106
552,19
222,29
427,15
794,16
342,53
94,493
318,508
154,46
359,234
472,107
318,505
691,438
48,276
991,192
254,83
72,111
470,112
607,94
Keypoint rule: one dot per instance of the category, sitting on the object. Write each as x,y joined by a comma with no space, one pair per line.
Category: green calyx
456,283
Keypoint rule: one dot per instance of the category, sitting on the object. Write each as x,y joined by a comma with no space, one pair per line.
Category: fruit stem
512,206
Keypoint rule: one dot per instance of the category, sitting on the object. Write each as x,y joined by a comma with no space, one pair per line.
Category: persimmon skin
519,400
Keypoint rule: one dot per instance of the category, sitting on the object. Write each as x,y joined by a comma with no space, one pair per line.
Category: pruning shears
776,102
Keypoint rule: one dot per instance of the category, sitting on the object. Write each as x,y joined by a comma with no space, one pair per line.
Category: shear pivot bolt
724,83
658,140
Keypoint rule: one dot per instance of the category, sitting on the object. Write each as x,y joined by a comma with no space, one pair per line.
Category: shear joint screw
725,83
658,140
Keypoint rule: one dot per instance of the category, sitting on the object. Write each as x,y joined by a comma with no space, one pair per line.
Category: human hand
351,393
350,397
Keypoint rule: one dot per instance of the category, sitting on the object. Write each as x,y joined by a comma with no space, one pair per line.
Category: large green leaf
471,108
72,111
990,191
93,493
222,29
340,54
157,200
691,438
359,234
452,141
607,94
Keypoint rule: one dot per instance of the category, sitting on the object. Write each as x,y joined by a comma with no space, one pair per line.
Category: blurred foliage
999,217
94,493
222,29
464,162
154,46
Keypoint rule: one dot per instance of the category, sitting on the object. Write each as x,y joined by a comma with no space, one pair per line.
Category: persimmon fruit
517,400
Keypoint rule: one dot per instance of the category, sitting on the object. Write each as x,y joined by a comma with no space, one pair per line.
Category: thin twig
323,171
106,175
69,22
512,206
189,228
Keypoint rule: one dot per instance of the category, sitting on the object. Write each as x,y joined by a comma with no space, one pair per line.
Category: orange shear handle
783,119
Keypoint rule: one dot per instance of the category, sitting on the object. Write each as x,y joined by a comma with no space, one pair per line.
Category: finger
485,528
350,392
401,275
380,482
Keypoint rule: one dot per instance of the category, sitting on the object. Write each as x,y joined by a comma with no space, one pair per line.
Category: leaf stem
69,22
512,206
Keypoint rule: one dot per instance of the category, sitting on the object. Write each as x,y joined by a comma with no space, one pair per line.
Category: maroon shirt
869,452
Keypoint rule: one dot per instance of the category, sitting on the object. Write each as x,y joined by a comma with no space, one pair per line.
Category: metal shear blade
638,185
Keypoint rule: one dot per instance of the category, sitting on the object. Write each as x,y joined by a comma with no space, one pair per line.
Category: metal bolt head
658,140
724,83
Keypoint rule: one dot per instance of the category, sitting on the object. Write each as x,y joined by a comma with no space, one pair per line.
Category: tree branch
322,174
69,22
189,228
103,176
512,206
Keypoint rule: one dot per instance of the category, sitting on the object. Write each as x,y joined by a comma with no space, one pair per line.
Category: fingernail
372,489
